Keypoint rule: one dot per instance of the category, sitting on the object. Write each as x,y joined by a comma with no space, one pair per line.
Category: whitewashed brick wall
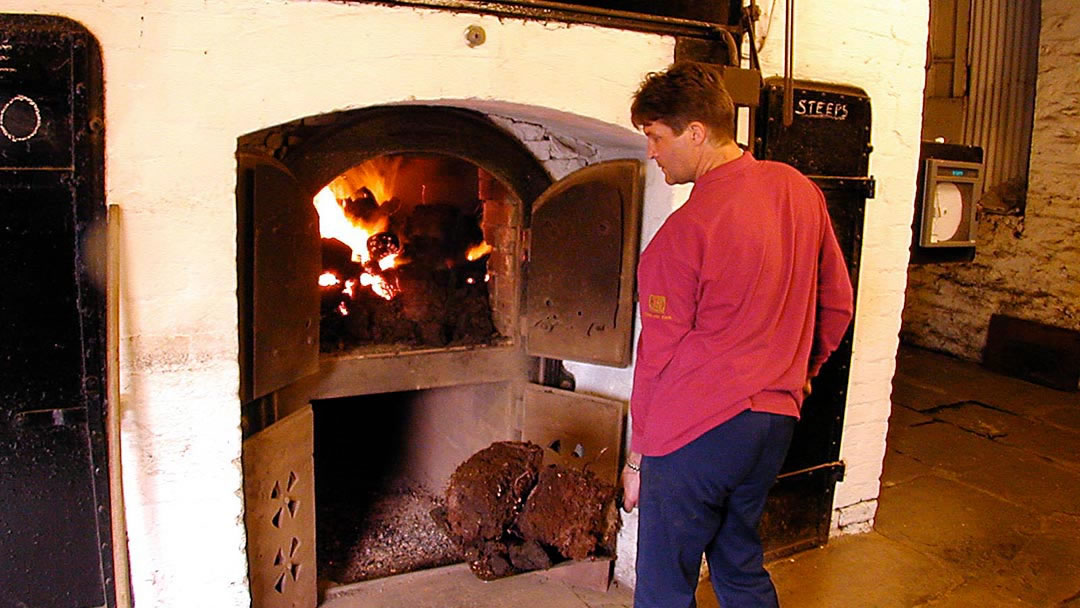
185,78
1026,267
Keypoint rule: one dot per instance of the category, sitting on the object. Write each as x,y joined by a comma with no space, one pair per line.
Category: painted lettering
809,108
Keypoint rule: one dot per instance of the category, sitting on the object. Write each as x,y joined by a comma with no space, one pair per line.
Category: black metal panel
280,227
830,134
834,151
55,540
582,257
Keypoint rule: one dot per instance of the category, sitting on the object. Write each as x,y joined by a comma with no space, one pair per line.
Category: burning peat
403,270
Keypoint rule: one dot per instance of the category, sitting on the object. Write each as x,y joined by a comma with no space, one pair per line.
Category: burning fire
379,285
334,224
376,250
378,175
477,251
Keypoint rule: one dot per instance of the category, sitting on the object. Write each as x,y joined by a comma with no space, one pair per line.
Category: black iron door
55,542
829,141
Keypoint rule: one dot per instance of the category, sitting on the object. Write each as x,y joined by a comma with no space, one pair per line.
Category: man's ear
698,131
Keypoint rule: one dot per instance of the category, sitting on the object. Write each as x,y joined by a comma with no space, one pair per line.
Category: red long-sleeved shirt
744,294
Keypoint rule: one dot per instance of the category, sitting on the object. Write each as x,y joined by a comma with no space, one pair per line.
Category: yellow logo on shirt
657,304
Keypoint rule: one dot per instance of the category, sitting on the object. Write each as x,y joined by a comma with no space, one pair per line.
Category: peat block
486,492
508,516
572,512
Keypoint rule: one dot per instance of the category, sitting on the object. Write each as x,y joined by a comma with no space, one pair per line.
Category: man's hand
631,482
806,389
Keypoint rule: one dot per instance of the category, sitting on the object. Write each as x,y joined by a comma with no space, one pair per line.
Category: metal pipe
121,565
789,52
552,10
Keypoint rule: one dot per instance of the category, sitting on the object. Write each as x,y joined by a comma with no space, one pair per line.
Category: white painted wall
185,78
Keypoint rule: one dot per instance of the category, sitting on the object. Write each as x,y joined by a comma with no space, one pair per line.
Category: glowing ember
334,224
477,251
344,310
379,285
328,279
388,262
349,287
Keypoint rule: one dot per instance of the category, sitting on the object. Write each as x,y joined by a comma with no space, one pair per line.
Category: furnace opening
406,254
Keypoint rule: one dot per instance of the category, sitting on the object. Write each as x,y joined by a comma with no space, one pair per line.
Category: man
744,294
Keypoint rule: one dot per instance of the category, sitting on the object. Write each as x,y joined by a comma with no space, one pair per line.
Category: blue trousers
707,498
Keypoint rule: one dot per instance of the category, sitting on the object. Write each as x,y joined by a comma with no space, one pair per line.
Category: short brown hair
685,92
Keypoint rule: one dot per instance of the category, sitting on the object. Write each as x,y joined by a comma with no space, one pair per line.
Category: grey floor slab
900,468
1047,570
1025,479
861,572
954,522
1066,417
980,593
943,446
1032,435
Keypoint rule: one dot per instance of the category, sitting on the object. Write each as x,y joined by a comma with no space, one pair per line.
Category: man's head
685,112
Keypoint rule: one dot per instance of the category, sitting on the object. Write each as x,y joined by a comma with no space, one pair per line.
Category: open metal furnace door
279,513
582,256
576,431
279,265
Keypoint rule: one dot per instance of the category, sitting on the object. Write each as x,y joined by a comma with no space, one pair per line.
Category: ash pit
373,495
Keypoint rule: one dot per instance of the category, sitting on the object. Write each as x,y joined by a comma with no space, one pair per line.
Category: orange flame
333,224
477,251
328,279
379,175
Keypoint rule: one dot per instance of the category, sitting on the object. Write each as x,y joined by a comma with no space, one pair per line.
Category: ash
395,535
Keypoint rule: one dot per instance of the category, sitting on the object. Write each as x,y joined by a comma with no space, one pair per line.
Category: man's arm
835,303
668,298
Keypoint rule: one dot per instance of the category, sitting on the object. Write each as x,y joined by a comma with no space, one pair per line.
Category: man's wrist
635,467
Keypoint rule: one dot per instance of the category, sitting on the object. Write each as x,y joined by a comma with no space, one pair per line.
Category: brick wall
1027,267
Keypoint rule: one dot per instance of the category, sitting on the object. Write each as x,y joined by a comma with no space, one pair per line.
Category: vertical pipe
121,567
1031,69
1004,122
789,52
